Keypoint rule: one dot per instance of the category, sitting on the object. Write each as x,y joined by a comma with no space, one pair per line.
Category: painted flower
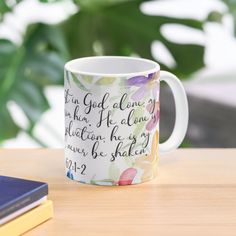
149,163
145,84
70,175
127,176
154,110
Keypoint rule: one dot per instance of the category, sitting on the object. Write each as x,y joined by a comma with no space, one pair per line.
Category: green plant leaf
91,5
31,99
49,1
122,29
232,10
8,128
25,70
117,26
7,6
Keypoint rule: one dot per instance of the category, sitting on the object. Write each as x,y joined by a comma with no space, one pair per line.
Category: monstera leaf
7,6
101,27
91,5
25,71
120,28
232,10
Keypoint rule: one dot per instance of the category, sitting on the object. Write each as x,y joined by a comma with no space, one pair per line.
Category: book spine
25,200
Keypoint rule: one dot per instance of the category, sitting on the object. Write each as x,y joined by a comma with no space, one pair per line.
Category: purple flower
144,84
139,80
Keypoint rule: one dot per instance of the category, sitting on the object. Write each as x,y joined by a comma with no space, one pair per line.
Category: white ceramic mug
112,112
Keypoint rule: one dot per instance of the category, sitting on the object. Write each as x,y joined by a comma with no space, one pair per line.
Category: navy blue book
16,194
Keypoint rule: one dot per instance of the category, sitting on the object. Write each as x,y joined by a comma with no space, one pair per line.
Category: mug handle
181,111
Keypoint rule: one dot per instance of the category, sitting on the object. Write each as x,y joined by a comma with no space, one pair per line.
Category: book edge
22,210
34,195
29,220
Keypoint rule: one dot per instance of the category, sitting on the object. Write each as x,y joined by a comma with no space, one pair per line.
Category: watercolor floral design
148,163
78,83
145,84
153,109
84,82
144,167
70,175
125,178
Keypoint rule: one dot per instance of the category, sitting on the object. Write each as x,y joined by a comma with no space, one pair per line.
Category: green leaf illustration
112,99
105,81
67,77
114,172
108,182
78,83
87,78
129,161
139,112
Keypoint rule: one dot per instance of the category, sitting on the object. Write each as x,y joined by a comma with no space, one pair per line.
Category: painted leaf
105,81
108,182
67,77
139,128
78,83
129,161
87,78
115,98
114,172
139,112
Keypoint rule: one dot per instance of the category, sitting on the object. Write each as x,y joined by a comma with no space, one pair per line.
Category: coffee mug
112,113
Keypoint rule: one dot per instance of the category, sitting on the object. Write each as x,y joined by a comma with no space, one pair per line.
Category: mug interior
112,66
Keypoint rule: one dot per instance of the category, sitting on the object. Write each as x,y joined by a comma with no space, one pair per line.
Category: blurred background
195,39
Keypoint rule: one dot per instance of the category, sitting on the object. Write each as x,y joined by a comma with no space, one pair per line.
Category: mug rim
155,66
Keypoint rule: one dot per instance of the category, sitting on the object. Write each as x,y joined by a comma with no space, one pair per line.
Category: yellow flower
149,163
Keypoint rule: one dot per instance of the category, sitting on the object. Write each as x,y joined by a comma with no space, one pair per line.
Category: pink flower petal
152,109
127,176
153,122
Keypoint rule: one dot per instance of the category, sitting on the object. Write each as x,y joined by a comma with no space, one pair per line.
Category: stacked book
23,205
